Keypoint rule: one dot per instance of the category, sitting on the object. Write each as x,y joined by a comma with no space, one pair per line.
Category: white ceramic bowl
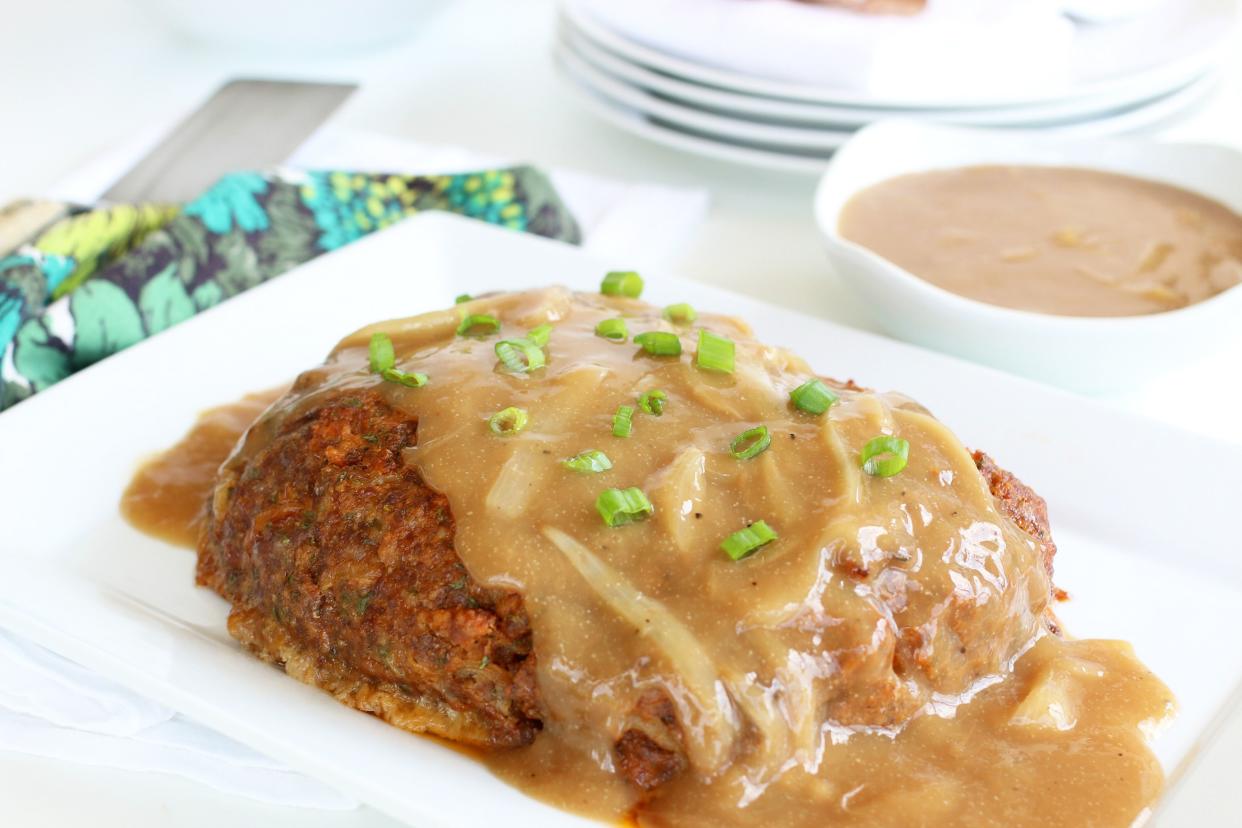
1084,354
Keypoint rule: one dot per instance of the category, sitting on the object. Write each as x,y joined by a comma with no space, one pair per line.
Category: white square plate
1142,513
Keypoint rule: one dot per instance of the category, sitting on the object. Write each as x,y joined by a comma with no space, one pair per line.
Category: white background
79,78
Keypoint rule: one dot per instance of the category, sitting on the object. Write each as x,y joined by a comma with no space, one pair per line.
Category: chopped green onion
622,421
813,397
622,283
680,314
744,542
653,401
659,343
590,461
750,443
885,456
465,297
621,506
508,421
613,329
520,356
382,356
402,378
540,335
478,324
715,353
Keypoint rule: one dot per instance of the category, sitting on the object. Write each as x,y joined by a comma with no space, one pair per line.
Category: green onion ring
623,421
540,335
744,542
653,401
508,421
613,329
620,506
885,456
813,397
622,283
381,353
681,314
402,378
715,353
520,356
750,443
591,461
659,343
478,324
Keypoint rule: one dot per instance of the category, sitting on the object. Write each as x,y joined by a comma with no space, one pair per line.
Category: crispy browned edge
339,562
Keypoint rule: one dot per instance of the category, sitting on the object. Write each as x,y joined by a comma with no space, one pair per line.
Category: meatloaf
339,563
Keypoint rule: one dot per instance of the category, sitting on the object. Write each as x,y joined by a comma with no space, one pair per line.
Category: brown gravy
1057,240
782,666
167,495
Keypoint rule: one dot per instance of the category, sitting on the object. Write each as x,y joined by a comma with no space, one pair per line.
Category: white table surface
80,77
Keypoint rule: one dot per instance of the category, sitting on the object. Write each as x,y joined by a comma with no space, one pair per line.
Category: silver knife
246,124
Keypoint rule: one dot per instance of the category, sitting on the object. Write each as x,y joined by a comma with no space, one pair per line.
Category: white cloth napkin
960,49
53,708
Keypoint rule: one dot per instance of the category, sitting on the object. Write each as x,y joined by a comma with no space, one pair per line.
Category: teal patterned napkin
99,281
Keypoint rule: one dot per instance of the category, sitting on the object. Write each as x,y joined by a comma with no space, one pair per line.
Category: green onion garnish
591,461
659,343
623,421
402,378
540,335
750,443
813,397
478,324
382,356
465,297
885,456
384,361
621,506
653,401
520,356
613,329
680,314
508,421
744,542
715,353
622,283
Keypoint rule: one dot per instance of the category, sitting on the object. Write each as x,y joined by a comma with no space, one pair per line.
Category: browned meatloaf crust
340,566
339,562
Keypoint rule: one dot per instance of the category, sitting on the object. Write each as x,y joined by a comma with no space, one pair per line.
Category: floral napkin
101,280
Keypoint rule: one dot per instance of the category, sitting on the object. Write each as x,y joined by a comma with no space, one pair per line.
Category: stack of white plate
1118,76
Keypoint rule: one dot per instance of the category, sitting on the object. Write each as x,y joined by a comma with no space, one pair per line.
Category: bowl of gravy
1091,264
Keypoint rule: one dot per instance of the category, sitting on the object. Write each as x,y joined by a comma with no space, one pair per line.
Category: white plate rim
440,229
636,123
1155,79
827,115
817,139
631,108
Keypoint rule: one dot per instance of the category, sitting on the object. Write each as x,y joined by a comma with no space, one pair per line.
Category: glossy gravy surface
1057,240
884,662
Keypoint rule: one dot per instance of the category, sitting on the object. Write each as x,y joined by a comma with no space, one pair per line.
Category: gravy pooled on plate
1058,240
688,587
